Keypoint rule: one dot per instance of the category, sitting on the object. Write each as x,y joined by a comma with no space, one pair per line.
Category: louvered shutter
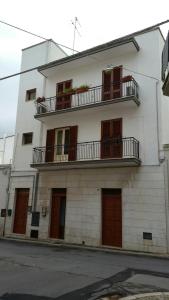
117,82
105,139
117,138
73,143
106,85
63,101
50,141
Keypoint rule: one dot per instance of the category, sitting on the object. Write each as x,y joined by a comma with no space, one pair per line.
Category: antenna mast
75,23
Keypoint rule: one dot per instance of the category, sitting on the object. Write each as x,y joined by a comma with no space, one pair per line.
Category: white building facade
89,166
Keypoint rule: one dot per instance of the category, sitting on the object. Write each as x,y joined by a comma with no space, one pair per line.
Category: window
27,138
30,95
62,141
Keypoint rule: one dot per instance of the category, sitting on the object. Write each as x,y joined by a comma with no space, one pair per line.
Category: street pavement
32,272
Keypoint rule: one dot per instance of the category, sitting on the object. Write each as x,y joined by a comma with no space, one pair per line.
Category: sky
100,21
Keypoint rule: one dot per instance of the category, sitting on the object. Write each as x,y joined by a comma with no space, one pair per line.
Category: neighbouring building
6,153
89,165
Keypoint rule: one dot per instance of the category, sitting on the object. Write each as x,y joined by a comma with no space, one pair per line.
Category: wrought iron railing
119,148
91,96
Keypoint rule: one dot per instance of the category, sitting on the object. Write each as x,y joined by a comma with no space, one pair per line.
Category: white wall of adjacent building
6,149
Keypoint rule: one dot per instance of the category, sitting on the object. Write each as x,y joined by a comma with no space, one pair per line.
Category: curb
83,247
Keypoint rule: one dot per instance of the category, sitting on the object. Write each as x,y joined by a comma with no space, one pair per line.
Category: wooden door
21,208
111,217
63,100
112,83
58,210
111,139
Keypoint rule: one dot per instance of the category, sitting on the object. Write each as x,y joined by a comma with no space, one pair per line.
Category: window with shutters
112,83
63,96
111,139
61,144
62,138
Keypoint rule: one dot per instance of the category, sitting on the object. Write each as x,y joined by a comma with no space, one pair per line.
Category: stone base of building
143,206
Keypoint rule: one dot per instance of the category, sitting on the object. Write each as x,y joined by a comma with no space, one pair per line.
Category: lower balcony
117,152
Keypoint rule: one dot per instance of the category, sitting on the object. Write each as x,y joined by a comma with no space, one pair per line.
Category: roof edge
100,48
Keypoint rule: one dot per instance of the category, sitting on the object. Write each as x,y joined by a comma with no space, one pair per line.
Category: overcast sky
101,21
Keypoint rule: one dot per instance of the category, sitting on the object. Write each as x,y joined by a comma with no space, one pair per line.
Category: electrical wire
35,68
34,34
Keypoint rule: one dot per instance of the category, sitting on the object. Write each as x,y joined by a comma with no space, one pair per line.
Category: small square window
30,95
27,138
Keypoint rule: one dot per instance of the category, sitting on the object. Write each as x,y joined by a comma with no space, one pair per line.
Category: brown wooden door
111,217
63,100
21,208
58,209
112,83
111,139
50,142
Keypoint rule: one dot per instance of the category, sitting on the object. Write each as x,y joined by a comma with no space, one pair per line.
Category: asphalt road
33,272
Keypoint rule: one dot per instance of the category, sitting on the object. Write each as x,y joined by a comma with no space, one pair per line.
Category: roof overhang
109,50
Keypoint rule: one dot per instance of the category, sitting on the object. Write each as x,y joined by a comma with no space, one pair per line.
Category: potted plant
40,99
83,88
127,78
68,91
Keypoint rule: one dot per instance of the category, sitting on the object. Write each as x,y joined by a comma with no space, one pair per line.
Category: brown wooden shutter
73,143
63,101
117,138
106,85
117,82
105,138
111,139
50,142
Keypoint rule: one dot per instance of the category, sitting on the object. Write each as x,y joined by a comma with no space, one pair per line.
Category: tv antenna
75,23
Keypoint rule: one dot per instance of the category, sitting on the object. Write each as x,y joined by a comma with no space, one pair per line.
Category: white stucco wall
31,57
6,149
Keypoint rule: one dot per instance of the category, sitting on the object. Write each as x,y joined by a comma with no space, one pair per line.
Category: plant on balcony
68,91
40,99
81,89
127,78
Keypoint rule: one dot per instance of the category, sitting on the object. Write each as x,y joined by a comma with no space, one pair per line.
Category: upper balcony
75,99
117,152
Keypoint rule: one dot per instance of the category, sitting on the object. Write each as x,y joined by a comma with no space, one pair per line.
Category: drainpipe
157,117
34,204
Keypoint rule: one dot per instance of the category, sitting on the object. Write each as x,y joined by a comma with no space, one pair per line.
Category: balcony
118,152
95,96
